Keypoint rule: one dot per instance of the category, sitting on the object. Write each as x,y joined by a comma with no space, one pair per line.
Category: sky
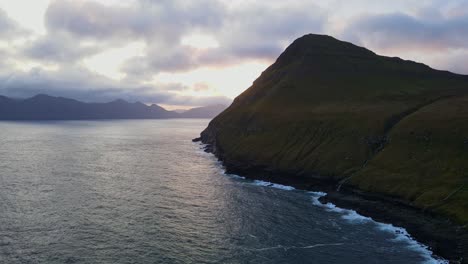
182,54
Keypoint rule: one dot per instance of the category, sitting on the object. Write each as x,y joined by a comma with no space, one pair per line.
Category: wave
273,185
286,248
401,235
351,216
235,176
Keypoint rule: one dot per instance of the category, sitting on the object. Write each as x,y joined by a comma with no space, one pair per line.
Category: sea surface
139,191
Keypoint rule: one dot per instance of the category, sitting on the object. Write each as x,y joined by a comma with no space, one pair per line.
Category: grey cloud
170,59
244,33
80,84
161,20
161,24
8,27
433,34
260,32
402,31
59,48
265,30
455,62
76,83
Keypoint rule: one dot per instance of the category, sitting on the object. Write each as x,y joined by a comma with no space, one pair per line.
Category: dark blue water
142,192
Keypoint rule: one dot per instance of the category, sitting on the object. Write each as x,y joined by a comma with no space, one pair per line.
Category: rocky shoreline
443,237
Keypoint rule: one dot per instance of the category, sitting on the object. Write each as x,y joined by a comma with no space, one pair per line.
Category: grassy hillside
331,110
426,161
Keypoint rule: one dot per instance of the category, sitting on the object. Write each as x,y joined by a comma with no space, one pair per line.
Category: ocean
140,191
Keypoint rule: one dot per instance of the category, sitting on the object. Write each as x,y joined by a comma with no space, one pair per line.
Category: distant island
45,107
385,136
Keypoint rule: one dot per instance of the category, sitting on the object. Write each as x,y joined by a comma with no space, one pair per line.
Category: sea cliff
381,135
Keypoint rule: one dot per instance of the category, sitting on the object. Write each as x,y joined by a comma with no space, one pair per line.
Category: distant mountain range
45,107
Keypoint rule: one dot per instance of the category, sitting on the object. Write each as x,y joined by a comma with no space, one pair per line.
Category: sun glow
200,41
108,63
216,81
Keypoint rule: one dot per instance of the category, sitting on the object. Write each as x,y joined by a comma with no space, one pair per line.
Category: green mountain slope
330,110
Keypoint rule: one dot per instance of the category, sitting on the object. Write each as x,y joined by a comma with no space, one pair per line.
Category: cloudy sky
179,53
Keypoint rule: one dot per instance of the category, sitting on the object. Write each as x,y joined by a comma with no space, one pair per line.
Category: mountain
45,107
329,112
204,112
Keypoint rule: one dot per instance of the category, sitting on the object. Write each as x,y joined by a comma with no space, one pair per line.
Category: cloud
248,32
164,20
81,84
432,34
455,61
161,24
263,31
162,58
201,87
9,28
59,47
400,31
76,30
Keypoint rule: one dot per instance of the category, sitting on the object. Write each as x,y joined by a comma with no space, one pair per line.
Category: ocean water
139,191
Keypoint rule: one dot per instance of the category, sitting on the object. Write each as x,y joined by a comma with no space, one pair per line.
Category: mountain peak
119,101
325,43
322,46
41,96
315,38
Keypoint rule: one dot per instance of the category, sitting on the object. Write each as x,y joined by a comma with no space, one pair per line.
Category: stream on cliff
141,192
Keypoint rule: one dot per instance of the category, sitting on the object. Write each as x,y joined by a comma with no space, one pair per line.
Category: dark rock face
331,114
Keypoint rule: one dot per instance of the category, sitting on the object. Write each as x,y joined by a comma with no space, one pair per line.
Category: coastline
442,237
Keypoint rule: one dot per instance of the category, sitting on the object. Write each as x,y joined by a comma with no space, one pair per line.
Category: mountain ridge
46,107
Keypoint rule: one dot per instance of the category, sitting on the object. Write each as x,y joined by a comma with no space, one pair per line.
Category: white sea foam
222,171
400,234
273,185
286,248
316,196
235,176
203,153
